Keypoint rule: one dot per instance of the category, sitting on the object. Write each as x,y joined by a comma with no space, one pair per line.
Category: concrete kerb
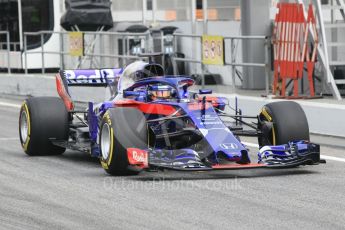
27,85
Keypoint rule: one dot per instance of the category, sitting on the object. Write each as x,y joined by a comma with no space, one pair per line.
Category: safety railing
233,63
89,50
8,49
122,40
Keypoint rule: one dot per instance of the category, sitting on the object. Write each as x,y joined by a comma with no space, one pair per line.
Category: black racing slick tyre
281,122
42,119
121,128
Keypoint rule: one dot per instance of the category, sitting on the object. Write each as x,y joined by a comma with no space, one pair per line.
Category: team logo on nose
229,146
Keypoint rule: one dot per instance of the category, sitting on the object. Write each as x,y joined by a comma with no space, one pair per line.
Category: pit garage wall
255,16
256,20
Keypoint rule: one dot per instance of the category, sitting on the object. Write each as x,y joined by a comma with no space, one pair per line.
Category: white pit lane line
9,138
9,104
331,158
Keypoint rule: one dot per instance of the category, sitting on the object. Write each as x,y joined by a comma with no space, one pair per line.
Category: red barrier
291,50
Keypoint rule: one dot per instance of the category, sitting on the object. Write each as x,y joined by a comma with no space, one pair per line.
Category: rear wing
90,78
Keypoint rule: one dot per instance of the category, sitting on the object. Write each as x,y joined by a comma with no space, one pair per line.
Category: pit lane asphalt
72,191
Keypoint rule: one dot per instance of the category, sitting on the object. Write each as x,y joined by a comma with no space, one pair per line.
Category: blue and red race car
153,122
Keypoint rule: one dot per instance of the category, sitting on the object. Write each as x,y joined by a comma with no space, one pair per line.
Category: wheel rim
23,126
105,141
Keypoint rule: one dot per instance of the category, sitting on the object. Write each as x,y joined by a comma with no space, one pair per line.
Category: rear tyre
281,122
40,119
121,128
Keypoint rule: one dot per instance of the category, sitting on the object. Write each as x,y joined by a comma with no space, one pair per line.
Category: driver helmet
161,92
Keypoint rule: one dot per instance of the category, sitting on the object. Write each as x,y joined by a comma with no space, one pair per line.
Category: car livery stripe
198,106
211,99
159,109
238,166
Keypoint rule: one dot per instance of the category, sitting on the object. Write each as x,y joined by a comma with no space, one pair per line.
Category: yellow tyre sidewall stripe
27,114
106,162
266,114
111,146
269,118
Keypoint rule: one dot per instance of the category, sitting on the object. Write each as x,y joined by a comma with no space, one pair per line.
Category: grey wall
255,21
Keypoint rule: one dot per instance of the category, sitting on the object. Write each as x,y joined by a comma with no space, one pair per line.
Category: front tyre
42,119
282,122
121,128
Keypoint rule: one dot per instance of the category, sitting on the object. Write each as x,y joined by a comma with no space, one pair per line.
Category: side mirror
205,91
131,94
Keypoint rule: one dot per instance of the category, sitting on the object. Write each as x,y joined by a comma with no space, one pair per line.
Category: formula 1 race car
154,122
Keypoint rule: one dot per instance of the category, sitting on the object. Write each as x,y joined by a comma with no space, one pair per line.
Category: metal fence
5,48
99,48
233,63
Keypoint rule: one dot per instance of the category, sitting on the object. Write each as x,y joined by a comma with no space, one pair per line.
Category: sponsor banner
137,157
91,76
212,50
76,44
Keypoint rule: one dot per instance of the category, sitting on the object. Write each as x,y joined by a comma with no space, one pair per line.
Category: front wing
290,155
